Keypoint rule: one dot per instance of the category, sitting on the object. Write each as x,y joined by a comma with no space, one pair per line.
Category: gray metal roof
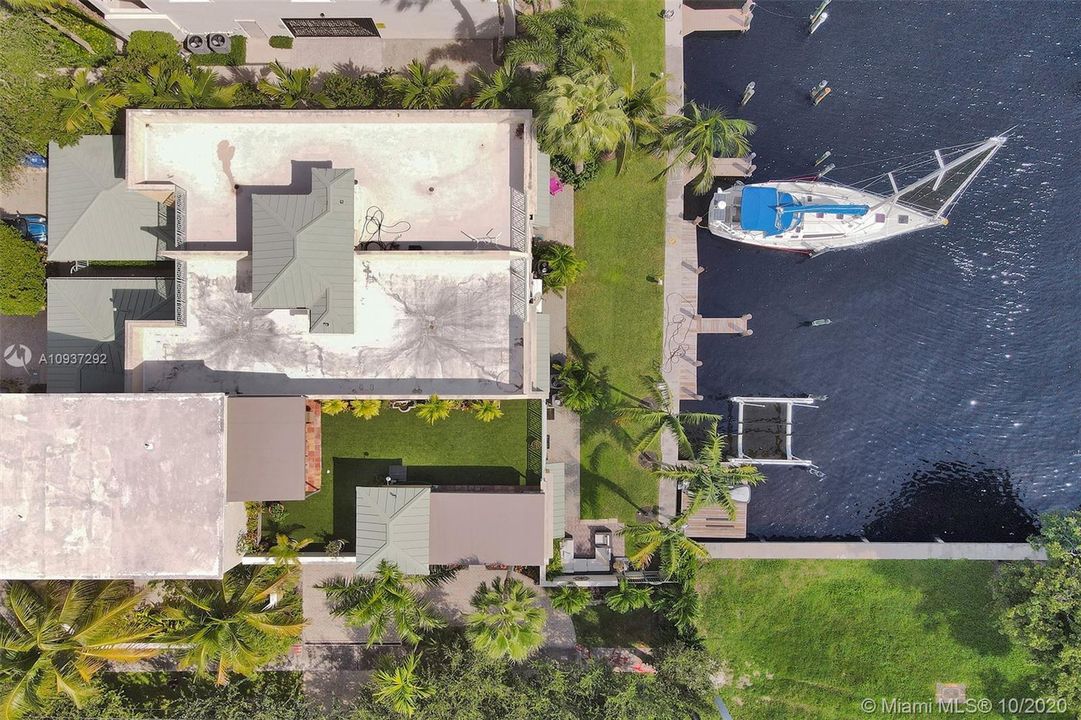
87,316
92,213
542,369
558,488
302,251
543,216
392,525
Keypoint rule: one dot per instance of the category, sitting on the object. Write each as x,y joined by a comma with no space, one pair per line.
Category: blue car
33,227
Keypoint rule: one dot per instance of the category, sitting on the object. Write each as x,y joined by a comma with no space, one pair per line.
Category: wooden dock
706,16
722,326
713,522
725,167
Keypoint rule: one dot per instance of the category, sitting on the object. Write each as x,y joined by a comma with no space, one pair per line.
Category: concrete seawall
872,551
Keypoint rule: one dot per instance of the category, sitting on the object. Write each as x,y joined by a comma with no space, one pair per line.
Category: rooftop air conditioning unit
196,44
218,42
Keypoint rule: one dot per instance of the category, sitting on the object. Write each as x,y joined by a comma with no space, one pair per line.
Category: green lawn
813,638
614,312
460,451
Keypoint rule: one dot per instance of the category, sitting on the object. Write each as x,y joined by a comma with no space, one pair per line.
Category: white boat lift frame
789,403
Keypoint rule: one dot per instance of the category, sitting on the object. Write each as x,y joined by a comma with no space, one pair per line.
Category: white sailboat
813,216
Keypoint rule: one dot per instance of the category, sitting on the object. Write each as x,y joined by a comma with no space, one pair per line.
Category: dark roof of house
265,451
302,251
86,316
92,213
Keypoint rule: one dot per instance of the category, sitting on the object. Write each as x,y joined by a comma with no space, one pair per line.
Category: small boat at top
813,216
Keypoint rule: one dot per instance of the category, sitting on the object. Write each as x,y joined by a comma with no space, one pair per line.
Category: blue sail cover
759,210
770,212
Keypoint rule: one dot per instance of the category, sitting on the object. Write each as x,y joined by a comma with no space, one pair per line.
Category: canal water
950,371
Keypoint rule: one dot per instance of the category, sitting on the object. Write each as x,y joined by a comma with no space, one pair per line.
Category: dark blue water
951,366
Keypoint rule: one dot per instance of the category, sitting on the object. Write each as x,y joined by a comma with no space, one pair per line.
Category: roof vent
196,44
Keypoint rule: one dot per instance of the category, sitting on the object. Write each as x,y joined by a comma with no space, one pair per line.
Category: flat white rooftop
423,175
448,323
112,486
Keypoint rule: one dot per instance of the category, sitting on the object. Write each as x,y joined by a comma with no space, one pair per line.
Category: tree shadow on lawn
956,594
592,481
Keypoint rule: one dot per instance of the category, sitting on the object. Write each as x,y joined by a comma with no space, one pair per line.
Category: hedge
22,275
282,42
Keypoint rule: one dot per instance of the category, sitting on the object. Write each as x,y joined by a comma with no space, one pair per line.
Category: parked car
35,160
33,227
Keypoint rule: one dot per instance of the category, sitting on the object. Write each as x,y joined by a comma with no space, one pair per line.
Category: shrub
366,91
487,410
144,49
334,407
248,96
366,409
152,44
282,42
22,275
564,170
238,53
334,547
571,599
277,512
564,267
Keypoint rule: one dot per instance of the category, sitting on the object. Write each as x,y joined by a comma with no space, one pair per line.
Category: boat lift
764,431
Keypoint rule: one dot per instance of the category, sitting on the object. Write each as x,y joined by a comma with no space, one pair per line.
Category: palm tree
645,107
421,88
366,409
564,267
287,550
680,604
502,88
293,88
678,553
237,624
435,409
86,106
657,413
55,636
571,599
384,599
401,687
564,41
710,479
698,135
194,88
506,621
487,410
581,116
627,598
334,406
579,390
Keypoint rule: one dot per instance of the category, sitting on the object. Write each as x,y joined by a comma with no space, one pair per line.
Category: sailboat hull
817,232
816,216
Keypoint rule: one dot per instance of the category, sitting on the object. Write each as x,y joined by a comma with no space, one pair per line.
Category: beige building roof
488,527
113,486
265,448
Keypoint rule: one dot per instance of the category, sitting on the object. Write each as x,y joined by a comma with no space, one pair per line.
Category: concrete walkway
680,260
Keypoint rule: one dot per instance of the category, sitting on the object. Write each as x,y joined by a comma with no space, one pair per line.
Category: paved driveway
26,194
16,335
